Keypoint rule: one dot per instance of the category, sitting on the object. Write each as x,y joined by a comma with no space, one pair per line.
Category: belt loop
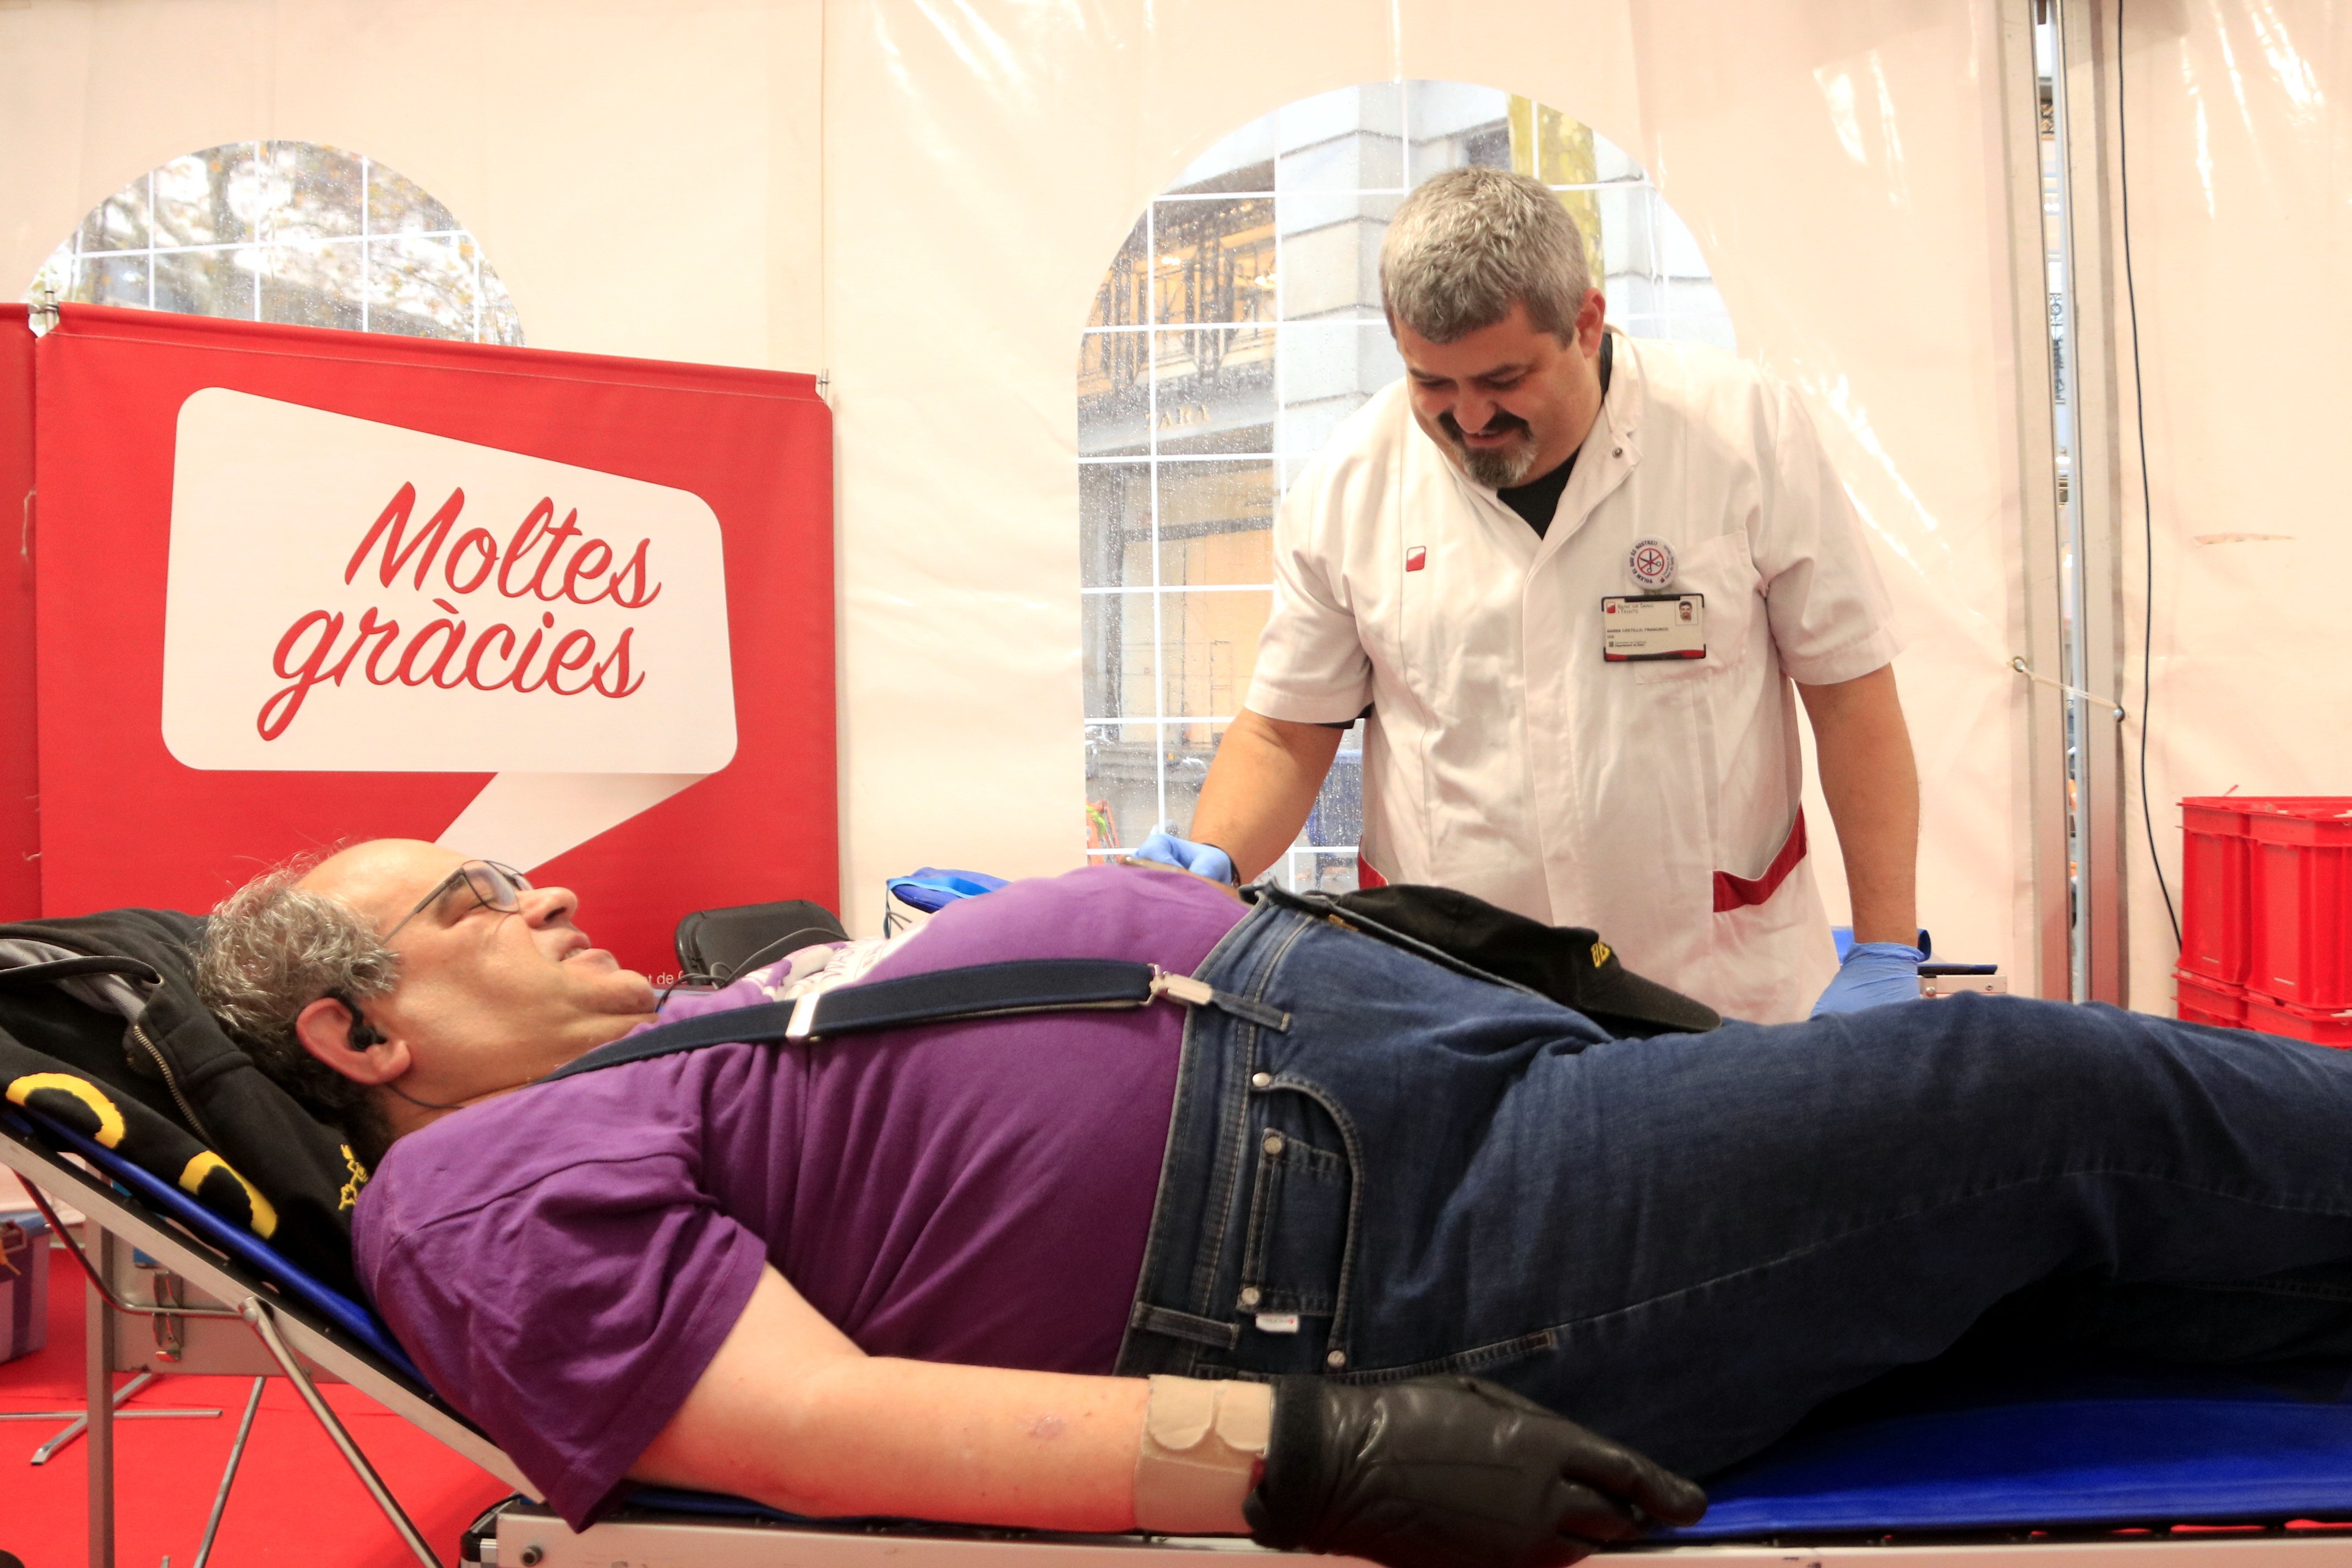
1185,1326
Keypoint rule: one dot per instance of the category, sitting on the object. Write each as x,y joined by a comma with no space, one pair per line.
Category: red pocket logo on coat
1417,558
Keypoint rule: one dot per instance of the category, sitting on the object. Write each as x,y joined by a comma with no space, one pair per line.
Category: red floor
295,1501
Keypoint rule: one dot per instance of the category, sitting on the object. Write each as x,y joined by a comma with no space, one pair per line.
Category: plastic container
23,1285
2321,1025
2197,1000
2213,887
2299,902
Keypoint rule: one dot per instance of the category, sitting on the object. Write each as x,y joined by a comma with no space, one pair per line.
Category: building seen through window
1234,330
285,231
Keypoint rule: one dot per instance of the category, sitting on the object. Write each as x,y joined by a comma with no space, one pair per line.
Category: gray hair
1472,243
270,950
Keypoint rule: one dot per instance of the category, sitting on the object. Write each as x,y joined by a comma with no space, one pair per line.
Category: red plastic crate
2197,1000
2213,887
2320,1026
2266,895
2299,902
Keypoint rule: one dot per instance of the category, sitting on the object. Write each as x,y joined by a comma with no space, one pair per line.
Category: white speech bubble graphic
349,596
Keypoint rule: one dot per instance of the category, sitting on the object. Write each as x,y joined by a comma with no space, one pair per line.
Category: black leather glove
1449,1472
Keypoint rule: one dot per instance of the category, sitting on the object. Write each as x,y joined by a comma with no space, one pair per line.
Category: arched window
285,231
1237,326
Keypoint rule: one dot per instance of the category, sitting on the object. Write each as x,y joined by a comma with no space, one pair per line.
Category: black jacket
131,1057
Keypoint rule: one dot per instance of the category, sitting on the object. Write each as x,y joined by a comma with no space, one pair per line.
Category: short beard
1498,468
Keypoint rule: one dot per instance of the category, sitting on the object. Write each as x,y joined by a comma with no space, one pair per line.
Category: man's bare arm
792,1413
1261,787
1872,784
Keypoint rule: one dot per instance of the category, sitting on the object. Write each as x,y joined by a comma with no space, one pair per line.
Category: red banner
20,822
297,586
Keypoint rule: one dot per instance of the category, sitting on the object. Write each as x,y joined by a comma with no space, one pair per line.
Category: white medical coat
1504,756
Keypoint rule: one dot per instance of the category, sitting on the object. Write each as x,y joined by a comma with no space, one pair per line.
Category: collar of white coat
1611,448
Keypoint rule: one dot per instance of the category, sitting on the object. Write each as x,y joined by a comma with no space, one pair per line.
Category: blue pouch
918,896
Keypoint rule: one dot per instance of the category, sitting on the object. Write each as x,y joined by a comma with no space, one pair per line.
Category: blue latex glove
1201,859
1874,972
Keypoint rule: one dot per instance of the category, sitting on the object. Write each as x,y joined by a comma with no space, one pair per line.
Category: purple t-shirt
564,1261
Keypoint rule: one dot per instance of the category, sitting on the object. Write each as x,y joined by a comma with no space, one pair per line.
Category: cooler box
23,1285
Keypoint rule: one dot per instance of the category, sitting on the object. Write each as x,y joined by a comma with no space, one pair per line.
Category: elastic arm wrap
1202,1443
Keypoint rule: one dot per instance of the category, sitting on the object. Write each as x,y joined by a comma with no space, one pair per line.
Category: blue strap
942,995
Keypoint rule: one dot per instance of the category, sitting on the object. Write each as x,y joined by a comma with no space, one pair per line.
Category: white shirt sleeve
1311,664
1831,619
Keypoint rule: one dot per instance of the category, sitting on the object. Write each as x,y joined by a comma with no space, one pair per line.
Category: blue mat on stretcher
2049,1445
2124,1444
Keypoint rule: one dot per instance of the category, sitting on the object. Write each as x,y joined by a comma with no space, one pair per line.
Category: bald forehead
382,878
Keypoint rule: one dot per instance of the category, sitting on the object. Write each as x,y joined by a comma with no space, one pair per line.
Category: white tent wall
922,199
644,174
2238,139
1838,165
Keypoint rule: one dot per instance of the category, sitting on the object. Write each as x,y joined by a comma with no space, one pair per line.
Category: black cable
2146,502
722,974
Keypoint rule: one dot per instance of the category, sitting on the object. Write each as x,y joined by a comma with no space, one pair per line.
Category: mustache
1496,426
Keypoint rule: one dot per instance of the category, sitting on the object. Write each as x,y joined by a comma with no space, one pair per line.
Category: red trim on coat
1366,877
1736,892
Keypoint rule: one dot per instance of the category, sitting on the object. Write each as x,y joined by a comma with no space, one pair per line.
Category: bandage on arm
1203,1446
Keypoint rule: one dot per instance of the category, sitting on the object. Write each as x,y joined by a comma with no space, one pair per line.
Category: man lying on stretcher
1341,1265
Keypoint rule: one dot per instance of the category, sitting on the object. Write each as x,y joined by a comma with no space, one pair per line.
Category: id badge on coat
1653,625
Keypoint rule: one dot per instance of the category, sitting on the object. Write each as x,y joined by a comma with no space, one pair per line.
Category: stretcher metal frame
291,1337
523,1533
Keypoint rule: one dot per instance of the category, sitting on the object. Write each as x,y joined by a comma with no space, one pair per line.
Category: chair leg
259,1316
228,1475
79,1423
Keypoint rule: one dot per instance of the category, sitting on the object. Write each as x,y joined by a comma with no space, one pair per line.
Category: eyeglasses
494,887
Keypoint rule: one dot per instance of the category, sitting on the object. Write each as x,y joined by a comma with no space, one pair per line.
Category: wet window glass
285,231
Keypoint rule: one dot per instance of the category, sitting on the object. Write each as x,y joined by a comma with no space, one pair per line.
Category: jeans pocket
1297,1247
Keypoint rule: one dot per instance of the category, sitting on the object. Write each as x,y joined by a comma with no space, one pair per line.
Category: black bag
720,944
100,1029
1570,964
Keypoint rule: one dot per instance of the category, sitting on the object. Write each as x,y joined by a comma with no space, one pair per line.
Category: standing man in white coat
1568,579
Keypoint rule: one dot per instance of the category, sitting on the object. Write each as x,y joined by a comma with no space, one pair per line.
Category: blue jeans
1690,1242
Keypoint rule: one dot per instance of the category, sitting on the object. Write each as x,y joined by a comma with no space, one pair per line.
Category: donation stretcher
2076,1462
